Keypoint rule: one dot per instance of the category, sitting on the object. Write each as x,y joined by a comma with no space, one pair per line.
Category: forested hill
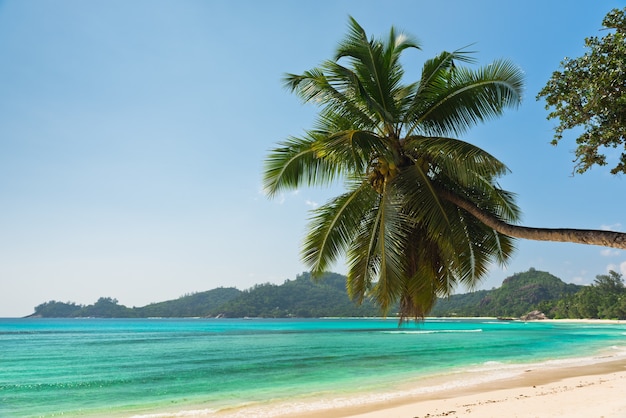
306,298
302,297
518,295
194,305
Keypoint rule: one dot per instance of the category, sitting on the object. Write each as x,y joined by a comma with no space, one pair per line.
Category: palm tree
423,211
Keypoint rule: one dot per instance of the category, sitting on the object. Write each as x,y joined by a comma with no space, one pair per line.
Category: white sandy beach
585,392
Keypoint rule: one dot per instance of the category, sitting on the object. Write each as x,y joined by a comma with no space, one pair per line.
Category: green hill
518,295
194,305
327,297
301,297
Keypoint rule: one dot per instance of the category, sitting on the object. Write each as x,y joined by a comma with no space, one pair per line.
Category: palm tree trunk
579,236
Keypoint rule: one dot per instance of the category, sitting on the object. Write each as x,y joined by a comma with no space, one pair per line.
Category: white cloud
311,203
619,268
496,268
608,252
613,227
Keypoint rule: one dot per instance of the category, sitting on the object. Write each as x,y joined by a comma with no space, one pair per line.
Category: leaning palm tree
391,143
422,211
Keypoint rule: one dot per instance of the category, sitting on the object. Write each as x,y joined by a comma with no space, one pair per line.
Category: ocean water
266,367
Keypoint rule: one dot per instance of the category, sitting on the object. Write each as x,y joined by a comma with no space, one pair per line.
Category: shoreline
584,391
584,387
590,390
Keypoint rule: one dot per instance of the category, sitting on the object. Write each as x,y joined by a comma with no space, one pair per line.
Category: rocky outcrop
533,316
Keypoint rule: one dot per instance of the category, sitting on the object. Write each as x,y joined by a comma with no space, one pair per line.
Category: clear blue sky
133,133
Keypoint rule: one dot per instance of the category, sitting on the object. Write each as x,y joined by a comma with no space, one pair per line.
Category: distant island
304,297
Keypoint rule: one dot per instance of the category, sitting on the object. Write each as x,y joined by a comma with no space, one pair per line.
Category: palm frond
332,92
461,161
422,204
391,243
439,68
375,64
360,91
377,253
462,98
504,205
481,247
296,162
332,227
363,259
428,275
357,147
435,76
488,197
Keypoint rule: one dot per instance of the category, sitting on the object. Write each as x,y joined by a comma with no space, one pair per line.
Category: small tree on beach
423,211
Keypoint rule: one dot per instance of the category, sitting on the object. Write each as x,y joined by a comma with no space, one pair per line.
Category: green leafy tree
54,309
610,288
106,308
609,283
604,299
391,143
590,93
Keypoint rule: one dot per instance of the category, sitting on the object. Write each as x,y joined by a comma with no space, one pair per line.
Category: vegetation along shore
303,297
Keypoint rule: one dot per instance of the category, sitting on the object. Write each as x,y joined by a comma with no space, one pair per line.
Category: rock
533,316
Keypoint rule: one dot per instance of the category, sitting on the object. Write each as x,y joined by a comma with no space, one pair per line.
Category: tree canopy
589,92
604,299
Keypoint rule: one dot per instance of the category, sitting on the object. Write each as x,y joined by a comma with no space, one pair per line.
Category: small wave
440,331
621,350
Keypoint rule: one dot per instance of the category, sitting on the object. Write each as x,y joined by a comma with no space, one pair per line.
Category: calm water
94,367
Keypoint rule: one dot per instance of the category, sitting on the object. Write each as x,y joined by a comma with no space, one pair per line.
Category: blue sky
133,133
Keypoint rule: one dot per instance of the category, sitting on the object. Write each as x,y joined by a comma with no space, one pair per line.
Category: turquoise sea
266,367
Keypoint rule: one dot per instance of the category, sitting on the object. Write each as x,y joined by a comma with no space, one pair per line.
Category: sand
586,391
